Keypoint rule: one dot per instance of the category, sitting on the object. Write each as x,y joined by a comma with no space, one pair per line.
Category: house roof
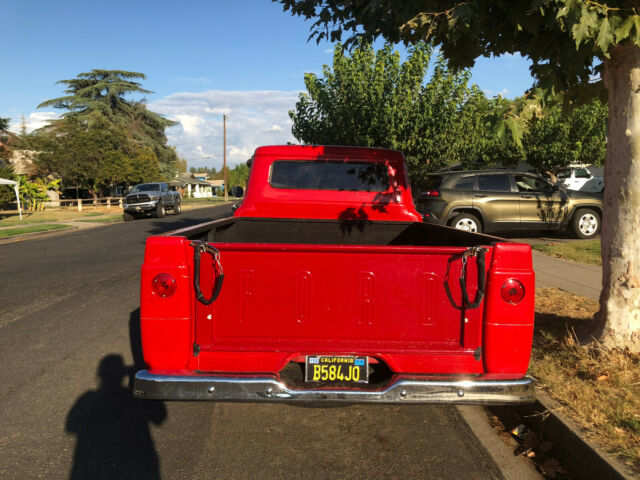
184,179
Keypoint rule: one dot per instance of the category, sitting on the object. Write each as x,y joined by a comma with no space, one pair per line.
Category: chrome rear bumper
266,388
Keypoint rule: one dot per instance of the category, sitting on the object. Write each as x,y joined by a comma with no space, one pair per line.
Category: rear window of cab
329,175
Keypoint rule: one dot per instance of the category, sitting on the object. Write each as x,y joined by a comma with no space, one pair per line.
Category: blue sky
245,58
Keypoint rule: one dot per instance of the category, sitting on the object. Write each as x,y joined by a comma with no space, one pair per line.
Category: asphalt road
68,344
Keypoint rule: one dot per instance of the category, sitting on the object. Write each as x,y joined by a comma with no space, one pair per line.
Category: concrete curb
513,467
582,456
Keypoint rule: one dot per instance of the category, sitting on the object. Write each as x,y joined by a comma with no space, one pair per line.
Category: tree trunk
618,321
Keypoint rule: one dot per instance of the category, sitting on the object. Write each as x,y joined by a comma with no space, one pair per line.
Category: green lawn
11,218
585,251
9,232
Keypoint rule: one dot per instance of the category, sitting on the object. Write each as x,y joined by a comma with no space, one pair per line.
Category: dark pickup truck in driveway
325,286
151,199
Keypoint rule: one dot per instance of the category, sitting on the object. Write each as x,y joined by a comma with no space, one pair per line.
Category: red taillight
512,291
164,285
431,193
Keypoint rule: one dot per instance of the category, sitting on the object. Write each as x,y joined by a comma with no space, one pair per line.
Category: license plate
336,369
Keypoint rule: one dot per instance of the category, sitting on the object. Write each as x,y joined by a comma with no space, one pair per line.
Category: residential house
191,187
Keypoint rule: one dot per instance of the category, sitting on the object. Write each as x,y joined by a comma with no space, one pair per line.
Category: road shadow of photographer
113,427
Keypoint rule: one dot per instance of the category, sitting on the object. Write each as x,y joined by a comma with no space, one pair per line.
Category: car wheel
467,223
128,217
160,211
177,209
586,223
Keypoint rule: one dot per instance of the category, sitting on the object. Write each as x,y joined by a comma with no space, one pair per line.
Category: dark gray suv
507,200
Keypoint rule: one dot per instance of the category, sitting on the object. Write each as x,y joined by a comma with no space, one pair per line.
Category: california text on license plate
333,368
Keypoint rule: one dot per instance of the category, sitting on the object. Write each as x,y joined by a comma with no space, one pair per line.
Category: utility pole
224,154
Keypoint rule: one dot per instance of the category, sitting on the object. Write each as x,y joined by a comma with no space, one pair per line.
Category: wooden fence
81,203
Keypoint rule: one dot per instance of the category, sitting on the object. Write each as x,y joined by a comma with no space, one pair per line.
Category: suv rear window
330,175
494,183
433,182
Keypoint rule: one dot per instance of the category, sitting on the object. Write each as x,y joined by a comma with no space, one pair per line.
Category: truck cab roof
328,182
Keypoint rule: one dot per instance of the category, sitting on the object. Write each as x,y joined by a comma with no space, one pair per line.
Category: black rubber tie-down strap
198,249
479,253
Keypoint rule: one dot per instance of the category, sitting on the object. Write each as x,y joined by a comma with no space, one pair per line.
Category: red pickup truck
326,286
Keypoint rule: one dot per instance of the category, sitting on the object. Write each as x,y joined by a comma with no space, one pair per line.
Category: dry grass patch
597,386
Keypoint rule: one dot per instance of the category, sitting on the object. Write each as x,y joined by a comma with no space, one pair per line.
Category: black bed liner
331,232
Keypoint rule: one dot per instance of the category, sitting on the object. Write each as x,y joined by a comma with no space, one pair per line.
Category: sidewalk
76,222
579,278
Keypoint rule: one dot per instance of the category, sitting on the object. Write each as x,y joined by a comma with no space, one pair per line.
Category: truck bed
336,287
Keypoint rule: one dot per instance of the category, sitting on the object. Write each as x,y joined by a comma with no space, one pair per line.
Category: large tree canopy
93,157
570,42
372,99
98,100
98,93
557,139
466,30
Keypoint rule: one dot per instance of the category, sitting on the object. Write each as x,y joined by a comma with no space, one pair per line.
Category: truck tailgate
345,299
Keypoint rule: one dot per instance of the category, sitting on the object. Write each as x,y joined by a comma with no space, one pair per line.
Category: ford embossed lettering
331,368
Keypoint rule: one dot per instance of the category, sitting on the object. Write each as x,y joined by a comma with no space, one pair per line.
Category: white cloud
190,123
33,121
255,117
